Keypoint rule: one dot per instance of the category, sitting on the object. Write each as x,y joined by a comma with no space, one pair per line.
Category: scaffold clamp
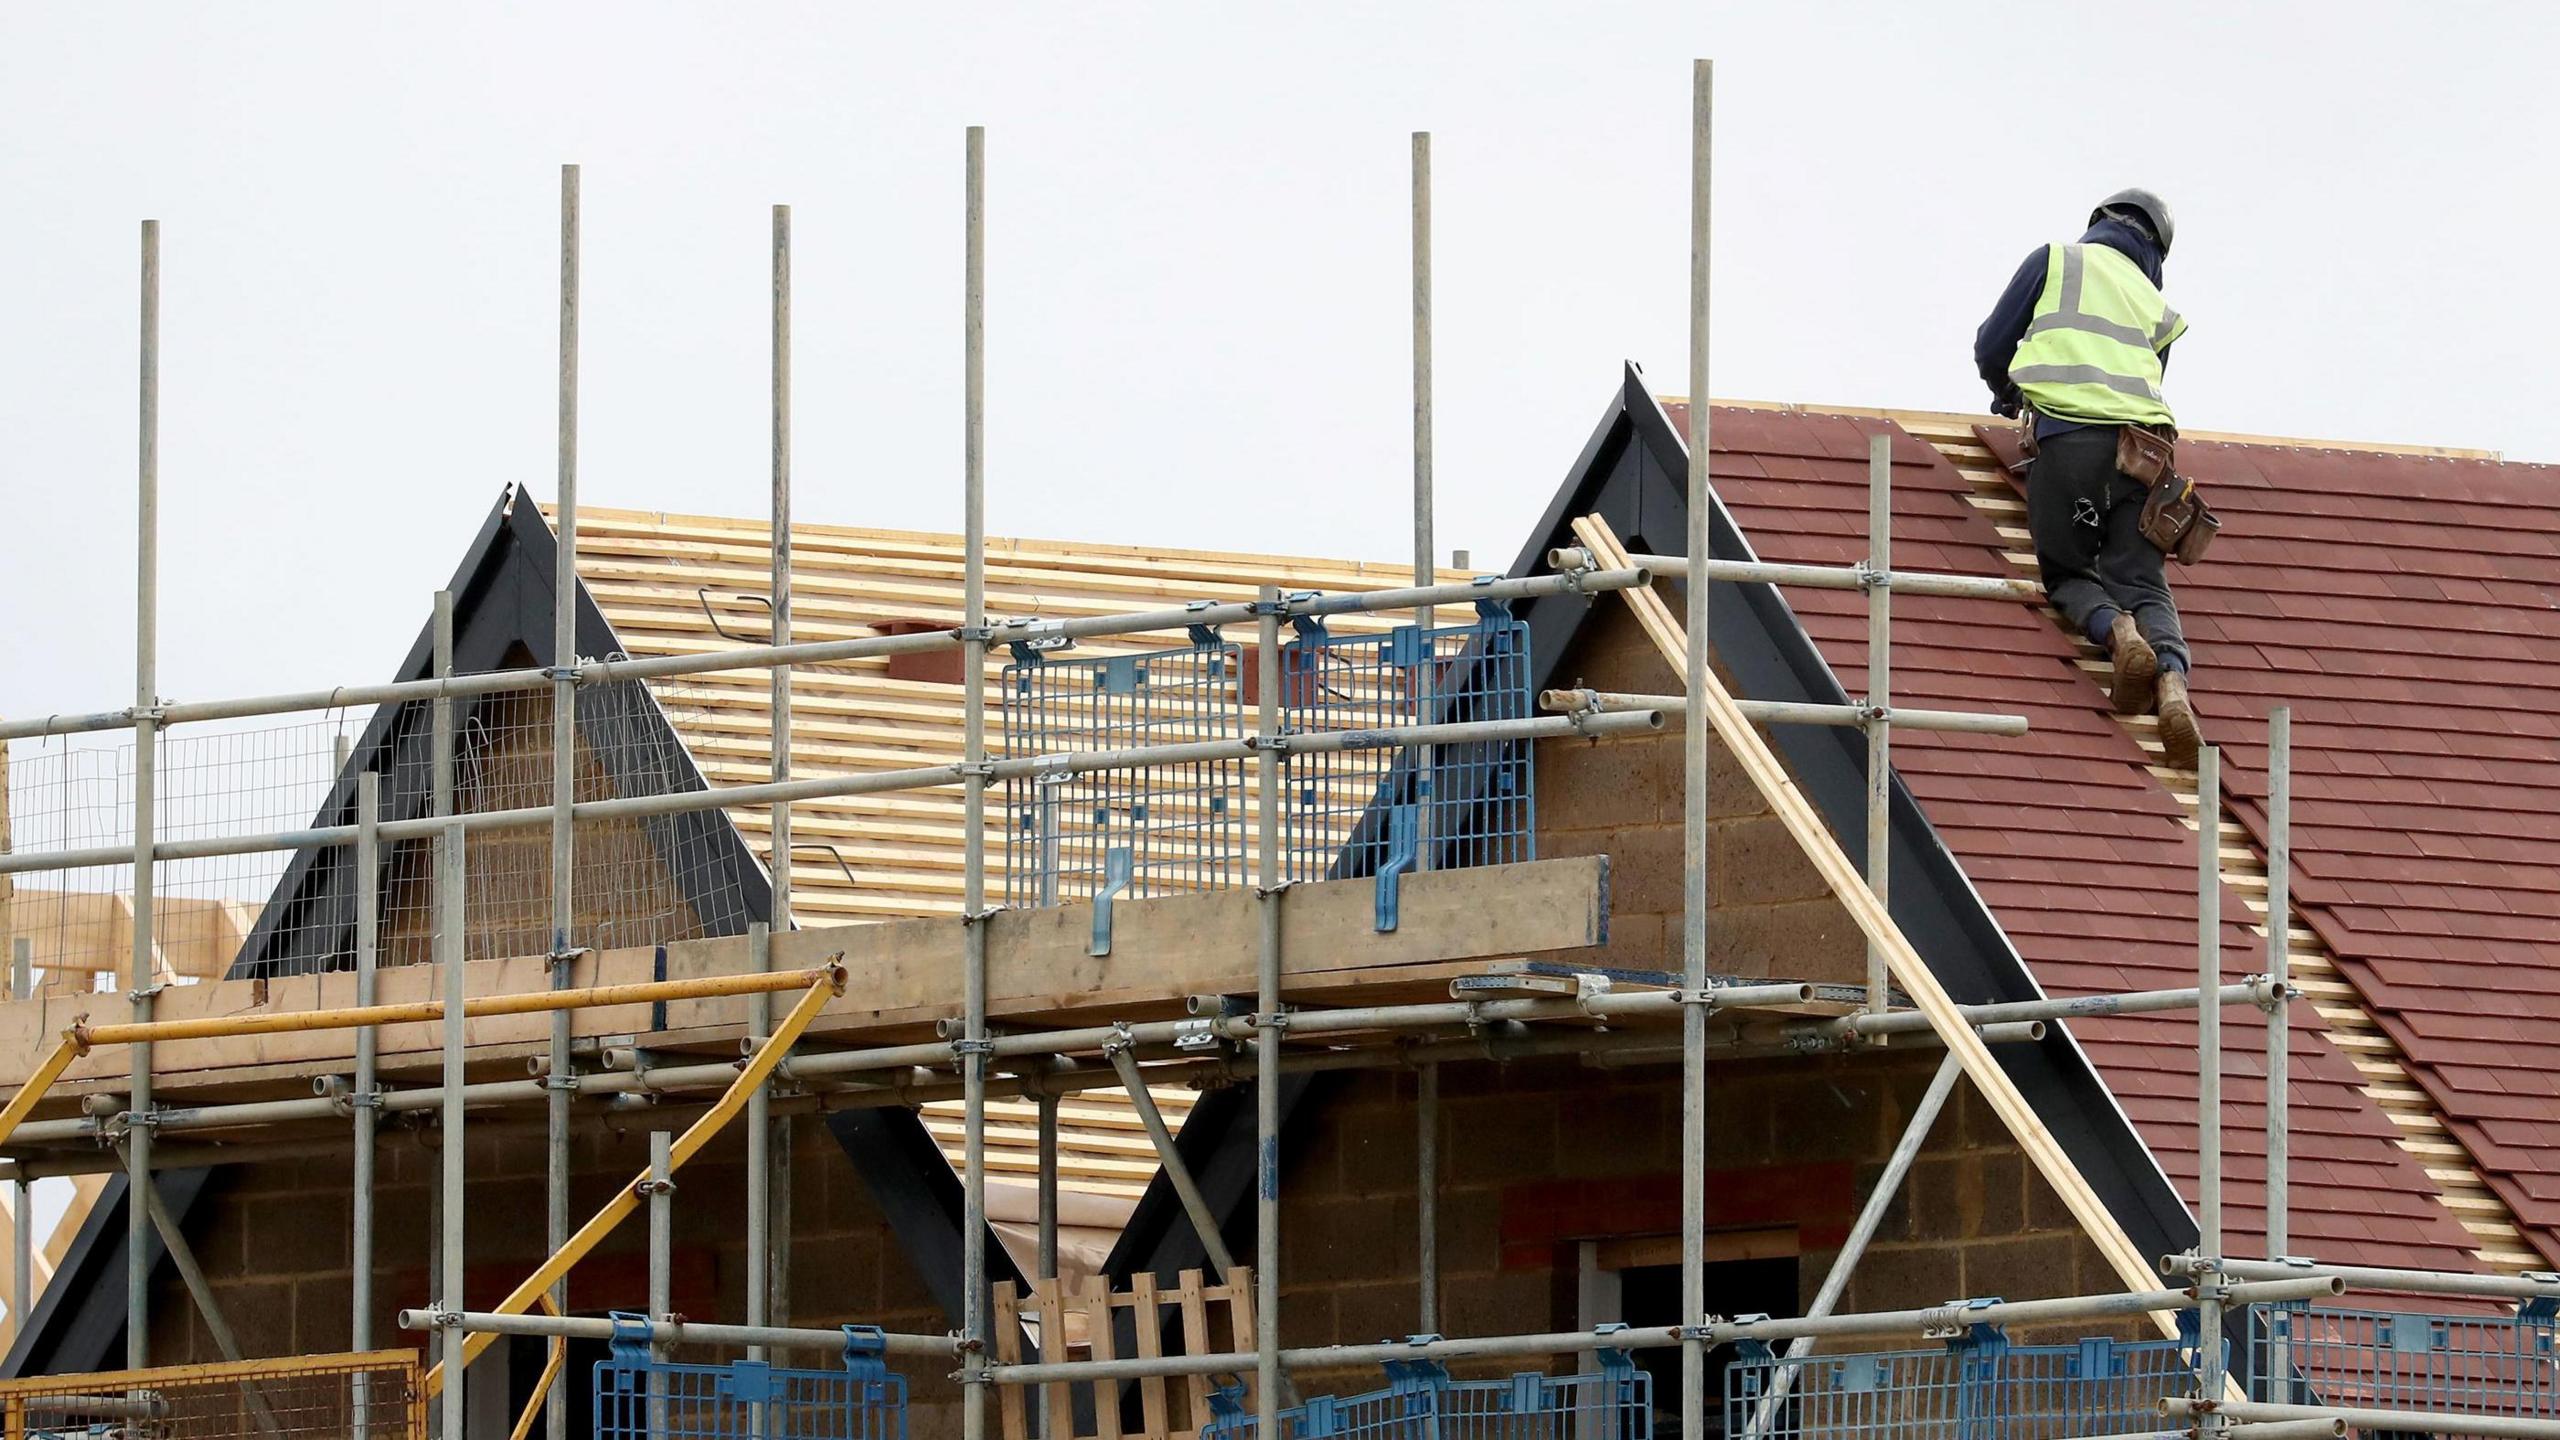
1119,867
1615,1363
1406,1377
630,1340
865,1350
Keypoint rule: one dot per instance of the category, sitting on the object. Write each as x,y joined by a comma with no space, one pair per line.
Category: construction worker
2081,340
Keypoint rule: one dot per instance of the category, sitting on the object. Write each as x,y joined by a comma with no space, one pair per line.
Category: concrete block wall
1621,797
274,1240
1543,1155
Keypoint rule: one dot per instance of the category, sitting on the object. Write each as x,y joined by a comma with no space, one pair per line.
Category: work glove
2007,403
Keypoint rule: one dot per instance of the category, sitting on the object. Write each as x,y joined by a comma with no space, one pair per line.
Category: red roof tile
2086,859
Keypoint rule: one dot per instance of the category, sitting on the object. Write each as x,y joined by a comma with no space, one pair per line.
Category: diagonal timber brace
1929,997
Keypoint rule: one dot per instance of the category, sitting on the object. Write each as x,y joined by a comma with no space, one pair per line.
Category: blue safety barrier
1130,832
638,1398
1361,811
1364,810
1421,1402
1978,1386
2475,1364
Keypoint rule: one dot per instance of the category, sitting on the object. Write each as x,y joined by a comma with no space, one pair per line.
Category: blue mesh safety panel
1421,1402
1357,811
1156,829
642,1399
1979,1387
2407,1360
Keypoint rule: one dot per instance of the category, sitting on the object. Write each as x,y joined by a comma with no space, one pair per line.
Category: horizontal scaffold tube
2078,1007
902,1075
1822,577
1896,1322
2372,1421
650,992
920,777
2537,1285
1791,712
822,652
668,1332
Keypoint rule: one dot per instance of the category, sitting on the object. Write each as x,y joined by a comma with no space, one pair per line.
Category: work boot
2179,735
2137,668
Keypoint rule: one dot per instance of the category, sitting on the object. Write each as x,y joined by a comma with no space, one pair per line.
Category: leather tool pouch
2174,515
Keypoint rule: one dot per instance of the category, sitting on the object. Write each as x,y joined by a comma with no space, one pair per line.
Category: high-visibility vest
2092,348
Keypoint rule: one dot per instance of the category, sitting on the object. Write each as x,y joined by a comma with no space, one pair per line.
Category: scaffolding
1131,776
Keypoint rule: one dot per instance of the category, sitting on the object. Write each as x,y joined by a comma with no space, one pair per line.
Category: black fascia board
77,1325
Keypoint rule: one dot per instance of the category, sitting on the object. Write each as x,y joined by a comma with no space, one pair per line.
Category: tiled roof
2085,857
2408,609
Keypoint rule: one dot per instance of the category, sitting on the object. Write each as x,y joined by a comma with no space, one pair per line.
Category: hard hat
2153,210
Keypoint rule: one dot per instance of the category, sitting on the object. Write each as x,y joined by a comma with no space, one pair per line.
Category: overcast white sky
1197,322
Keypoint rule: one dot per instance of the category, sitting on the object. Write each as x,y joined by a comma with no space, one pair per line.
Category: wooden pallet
1083,1322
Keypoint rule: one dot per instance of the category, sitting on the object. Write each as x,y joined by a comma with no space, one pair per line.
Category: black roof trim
502,607
78,1323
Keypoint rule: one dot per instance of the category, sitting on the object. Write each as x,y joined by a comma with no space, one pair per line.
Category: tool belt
2174,515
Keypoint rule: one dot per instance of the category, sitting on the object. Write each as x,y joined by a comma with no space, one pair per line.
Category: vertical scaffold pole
368,1048
2209,1056
662,1234
759,1148
557,1080
973,605
2279,979
450,949
1268,1024
765,1270
22,1285
1695,800
1048,1185
146,757
1426,1109
1879,691
661,1186
2279,1006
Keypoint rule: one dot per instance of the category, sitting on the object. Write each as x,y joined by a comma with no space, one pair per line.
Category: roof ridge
1019,544
1922,421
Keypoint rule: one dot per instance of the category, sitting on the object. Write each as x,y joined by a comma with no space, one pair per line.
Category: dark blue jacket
1997,340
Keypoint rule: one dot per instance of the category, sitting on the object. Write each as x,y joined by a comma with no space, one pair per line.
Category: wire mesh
209,781
1421,1402
1147,830
641,880
71,927
1359,811
2407,1360
375,1396
637,1398
635,880
1974,1388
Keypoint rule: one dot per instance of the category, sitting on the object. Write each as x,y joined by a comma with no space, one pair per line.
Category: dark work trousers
2086,517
